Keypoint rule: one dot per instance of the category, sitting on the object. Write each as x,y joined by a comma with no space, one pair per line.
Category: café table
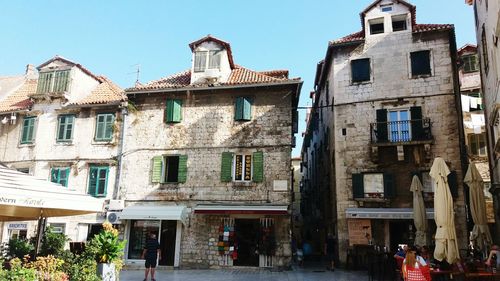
483,275
445,275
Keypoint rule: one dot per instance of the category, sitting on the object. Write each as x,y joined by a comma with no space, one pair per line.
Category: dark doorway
402,232
167,242
246,232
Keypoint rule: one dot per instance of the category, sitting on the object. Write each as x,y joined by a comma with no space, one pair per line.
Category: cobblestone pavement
254,274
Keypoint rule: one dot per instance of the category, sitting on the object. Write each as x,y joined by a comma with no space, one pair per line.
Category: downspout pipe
121,145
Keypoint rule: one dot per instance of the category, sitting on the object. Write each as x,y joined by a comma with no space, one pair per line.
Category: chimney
31,72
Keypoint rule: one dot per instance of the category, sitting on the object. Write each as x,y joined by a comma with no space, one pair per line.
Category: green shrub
18,248
53,243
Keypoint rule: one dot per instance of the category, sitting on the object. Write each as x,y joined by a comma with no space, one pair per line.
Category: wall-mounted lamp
5,120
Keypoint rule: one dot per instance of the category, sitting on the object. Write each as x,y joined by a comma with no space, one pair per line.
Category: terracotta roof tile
360,35
19,99
239,76
106,92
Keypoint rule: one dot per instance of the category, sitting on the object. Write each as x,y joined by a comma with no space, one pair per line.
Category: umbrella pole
42,222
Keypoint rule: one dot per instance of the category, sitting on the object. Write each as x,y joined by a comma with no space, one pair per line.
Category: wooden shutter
238,109
360,70
93,177
108,132
389,186
247,109
258,166
358,189
54,175
420,63
417,129
156,169
100,126
381,125
226,167
182,174
452,182
24,136
173,112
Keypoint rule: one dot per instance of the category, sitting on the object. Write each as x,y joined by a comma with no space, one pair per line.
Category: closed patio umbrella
480,233
419,214
446,236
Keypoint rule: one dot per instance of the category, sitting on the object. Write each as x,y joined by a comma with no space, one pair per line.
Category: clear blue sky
111,37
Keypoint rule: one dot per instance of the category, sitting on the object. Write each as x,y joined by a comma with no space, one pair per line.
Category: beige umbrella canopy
419,215
446,236
480,233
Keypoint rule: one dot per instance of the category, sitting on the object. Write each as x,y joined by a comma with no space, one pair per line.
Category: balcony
417,131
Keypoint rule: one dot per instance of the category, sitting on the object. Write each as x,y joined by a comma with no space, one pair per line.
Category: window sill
64,143
103,142
26,144
421,76
169,185
372,199
358,83
244,184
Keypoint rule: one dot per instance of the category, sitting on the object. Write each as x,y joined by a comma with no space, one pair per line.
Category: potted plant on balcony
108,250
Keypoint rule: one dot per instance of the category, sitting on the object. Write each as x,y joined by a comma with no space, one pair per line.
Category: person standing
151,253
330,251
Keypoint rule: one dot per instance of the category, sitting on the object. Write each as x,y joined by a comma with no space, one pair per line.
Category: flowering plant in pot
107,248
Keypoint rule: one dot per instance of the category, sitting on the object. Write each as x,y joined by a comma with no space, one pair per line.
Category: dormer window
376,26
53,81
206,60
399,23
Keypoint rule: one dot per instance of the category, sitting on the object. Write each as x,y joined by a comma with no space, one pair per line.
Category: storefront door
167,242
246,232
139,231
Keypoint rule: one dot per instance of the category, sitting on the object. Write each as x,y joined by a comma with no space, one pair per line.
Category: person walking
330,251
151,253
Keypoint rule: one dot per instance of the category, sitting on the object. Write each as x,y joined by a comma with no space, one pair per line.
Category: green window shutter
31,130
104,127
247,109
42,80
156,169
173,112
182,174
99,128
227,167
28,130
453,184
389,186
63,176
93,174
238,109
417,128
381,133
358,189
258,166
54,175
110,120
102,186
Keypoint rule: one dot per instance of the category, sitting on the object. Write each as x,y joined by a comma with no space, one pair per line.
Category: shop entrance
401,232
167,242
246,232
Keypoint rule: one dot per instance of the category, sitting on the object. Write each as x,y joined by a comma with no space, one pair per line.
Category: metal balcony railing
401,131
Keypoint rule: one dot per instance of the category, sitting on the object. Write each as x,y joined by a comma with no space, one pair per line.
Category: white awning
156,212
242,209
384,213
24,197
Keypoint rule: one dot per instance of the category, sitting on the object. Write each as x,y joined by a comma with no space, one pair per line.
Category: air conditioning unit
116,205
112,217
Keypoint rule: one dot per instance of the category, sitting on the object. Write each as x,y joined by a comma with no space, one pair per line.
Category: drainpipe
121,144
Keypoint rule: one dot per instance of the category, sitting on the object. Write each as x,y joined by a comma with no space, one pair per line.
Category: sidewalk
248,274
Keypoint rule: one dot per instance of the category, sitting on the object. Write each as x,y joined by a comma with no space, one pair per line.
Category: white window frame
243,166
399,125
376,21
428,183
58,227
373,185
399,18
209,55
477,140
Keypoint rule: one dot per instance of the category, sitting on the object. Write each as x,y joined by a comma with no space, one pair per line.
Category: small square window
376,26
65,128
60,175
420,63
360,70
399,23
386,8
470,63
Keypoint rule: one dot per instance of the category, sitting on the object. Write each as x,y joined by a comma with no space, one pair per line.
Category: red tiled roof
467,48
360,35
239,76
106,92
19,99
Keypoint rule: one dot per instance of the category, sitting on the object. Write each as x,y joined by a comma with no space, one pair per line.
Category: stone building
386,103
206,163
295,206
473,119
487,20
61,122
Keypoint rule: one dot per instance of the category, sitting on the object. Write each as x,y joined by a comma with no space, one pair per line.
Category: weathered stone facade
346,128
206,129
